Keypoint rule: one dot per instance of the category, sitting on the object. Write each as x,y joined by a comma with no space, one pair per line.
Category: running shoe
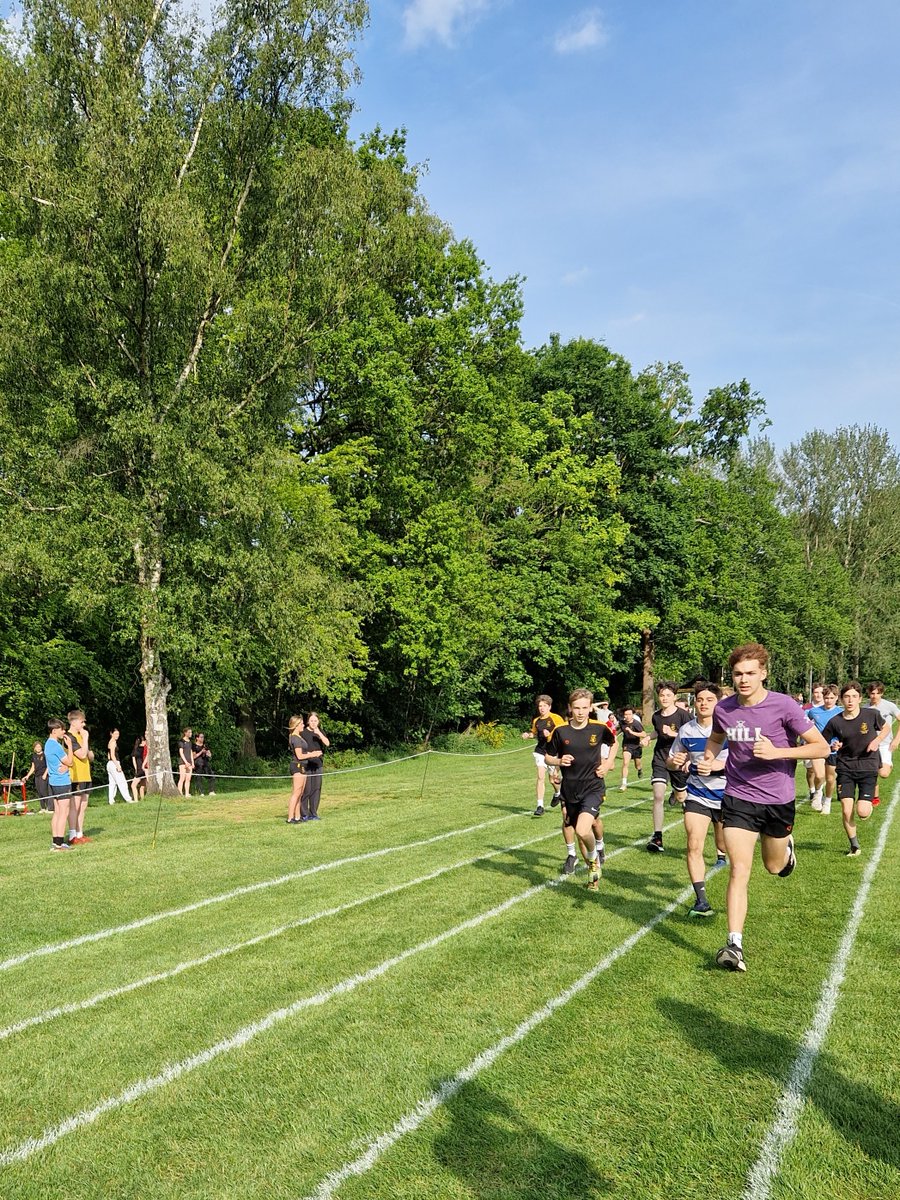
601,855
876,800
593,883
731,957
539,811
655,845
555,799
60,846
568,867
672,802
721,861
791,861
816,804
701,908
854,852
826,807
623,787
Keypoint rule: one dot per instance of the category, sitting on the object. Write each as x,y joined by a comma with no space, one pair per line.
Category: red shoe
876,800
77,841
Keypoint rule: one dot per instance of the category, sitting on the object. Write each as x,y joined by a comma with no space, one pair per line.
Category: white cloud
439,19
577,276
586,32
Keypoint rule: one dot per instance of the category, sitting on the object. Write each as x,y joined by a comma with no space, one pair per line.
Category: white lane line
783,1129
173,1071
142,922
427,1106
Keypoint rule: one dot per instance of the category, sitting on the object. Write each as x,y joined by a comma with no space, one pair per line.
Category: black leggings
312,793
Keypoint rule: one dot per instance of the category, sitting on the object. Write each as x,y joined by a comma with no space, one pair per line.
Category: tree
176,205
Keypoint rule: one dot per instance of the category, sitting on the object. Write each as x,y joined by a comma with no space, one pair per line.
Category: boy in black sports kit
576,747
855,734
666,721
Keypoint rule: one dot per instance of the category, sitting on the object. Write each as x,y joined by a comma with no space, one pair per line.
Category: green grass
659,1079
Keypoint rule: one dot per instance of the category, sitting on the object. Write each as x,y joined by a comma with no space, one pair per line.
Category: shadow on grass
859,1114
497,1155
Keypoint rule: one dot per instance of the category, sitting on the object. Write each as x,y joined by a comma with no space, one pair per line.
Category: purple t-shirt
782,721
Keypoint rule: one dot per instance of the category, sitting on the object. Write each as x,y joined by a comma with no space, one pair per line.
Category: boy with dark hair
855,737
705,789
542,727
58,756
890,712
666,721
762,729
577,748
632,748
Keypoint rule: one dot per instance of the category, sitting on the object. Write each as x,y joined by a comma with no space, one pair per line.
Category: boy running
855,736
705,789
632,749
762,729
666,721
890,712
541,728
821,714
577,748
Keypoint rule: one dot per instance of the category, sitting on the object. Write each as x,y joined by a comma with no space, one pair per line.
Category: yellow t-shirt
80,770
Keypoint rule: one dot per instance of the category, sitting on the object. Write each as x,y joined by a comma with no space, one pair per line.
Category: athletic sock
657,836
570,850
736,939
59,841
854,843
600,846
700,889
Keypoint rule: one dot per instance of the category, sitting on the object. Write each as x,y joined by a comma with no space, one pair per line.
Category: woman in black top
206,781
316,743
38,769
139,762
185,762
299,755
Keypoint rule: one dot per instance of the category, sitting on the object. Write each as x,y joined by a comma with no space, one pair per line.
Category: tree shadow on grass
498,1155
860,1115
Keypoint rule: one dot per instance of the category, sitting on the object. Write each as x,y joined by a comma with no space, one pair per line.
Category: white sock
600,845
570,849
736,939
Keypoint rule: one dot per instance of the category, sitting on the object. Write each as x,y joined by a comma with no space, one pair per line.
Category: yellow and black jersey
542,728
80,770
585,745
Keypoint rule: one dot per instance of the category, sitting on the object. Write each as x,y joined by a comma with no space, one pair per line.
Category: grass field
405,1000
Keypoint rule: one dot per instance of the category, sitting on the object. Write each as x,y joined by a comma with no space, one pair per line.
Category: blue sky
714,181
709,181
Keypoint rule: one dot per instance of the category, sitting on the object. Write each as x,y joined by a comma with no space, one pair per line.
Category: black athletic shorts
831,760
856,785
588,800
636,751
662,774
771,820
83,786
702,810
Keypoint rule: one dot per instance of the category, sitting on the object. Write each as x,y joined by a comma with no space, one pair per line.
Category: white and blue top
707,790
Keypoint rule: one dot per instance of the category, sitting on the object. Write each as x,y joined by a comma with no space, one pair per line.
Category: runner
80,774
825,772
576,747
762,729
541,728
855,736
815,768
705,789
632,748
667,720
890,712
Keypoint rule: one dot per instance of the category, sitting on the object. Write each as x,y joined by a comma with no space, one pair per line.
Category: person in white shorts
541,729
890,712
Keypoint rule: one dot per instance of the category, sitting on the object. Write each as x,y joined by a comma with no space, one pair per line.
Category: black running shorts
702,810
856,785
771,820
662,774
587,801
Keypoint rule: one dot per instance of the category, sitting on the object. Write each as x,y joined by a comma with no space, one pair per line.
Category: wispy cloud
585,32
441,20
571,278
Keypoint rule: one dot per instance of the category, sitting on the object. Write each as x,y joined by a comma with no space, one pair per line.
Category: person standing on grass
855,736
58,755
185,763
300,755
206,781
542,727
38,770
762,729
890,712
315,740
114,770
823,773
666,721
80,772
577,748
705,789
632,748
139,754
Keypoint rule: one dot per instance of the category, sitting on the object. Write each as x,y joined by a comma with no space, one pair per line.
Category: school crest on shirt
592,740
864,728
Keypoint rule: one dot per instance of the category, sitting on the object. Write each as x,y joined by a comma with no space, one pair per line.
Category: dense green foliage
270,438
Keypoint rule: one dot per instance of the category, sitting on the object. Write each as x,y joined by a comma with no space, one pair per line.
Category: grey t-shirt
890,712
